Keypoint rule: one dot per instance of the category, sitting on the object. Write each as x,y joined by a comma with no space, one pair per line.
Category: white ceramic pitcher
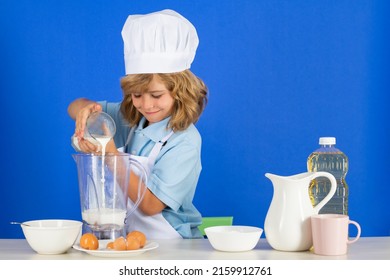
287,225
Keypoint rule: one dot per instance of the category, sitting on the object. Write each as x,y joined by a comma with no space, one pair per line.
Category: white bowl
233,238
51,236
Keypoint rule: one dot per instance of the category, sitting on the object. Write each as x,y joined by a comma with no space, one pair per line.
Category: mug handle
332,191
358,233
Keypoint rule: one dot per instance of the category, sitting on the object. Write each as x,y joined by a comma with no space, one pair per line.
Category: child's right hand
81,120
86,145
80,141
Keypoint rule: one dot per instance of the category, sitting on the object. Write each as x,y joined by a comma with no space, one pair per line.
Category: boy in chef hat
162,100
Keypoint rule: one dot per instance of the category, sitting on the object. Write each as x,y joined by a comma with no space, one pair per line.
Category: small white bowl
233,238
51,236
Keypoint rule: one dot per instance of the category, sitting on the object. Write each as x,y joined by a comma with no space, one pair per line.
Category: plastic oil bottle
329,159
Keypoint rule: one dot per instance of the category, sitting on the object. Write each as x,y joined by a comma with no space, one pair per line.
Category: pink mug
330,234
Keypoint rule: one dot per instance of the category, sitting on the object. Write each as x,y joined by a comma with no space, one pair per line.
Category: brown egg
132,243
120,244
110,245
138,235
89,241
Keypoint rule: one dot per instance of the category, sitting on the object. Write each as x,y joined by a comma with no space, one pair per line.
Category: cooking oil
329,159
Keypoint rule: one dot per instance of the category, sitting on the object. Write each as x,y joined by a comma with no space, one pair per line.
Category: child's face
156,103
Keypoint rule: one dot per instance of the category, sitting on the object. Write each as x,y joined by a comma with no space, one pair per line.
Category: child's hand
81,120
89,146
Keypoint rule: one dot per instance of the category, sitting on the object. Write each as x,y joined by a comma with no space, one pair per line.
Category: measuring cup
100,125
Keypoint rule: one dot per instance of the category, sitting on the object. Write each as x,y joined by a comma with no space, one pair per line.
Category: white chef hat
160,42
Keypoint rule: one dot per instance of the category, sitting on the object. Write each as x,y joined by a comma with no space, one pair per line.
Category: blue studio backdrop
280,73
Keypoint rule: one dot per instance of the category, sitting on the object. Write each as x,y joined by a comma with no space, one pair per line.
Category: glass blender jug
103,185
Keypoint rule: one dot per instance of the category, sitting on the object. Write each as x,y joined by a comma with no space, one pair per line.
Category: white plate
107,253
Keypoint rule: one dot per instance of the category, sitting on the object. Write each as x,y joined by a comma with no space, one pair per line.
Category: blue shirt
176,171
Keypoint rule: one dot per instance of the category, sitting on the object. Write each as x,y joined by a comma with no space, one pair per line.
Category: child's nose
147,102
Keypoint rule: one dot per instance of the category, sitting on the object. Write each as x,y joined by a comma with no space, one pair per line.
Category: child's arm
150,204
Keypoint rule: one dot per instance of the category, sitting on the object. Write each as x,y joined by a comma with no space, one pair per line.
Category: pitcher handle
332,191
141,187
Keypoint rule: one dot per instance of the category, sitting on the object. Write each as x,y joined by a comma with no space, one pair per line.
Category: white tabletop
366,248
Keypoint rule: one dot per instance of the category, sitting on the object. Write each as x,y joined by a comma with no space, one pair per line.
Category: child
162,99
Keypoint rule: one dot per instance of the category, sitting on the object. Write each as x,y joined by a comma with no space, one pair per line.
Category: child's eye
136,95
157,94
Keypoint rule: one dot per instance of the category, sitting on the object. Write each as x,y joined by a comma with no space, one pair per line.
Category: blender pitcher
103,184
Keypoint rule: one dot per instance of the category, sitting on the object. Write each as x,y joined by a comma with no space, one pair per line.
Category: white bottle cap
327,140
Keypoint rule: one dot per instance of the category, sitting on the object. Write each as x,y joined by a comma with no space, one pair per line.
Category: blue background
281,74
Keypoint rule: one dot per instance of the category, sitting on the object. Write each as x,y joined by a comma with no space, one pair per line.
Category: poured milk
103,140
104,216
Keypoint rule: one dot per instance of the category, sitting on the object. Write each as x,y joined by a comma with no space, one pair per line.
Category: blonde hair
188,91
